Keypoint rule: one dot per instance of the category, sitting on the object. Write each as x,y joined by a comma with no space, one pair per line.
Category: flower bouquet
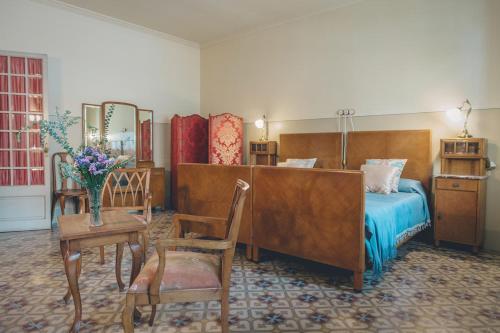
91,165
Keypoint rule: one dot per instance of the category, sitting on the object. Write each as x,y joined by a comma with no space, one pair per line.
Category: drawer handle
455,185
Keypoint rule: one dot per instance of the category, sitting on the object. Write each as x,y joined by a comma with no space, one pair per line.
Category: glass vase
94,196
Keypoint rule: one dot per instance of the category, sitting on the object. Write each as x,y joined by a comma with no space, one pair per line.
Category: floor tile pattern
424,290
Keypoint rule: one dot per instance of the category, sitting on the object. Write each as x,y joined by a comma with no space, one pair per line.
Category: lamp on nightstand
466,109
262,125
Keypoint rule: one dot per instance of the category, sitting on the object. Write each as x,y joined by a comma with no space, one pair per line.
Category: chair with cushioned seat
185,276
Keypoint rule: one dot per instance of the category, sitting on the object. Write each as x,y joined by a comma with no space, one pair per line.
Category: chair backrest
236,210
127,189
57,177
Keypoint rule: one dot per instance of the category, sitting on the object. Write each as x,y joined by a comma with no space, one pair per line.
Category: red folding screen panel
225,139
189,140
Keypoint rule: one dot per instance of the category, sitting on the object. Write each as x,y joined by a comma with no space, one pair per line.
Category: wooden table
75,233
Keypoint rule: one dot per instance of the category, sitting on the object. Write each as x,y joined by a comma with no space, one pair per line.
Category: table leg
136,249
72,265
67,297
118,266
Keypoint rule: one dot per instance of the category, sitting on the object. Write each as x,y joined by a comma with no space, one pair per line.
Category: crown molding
122,23
245,34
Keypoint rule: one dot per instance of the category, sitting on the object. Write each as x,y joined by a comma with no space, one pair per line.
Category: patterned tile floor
423,290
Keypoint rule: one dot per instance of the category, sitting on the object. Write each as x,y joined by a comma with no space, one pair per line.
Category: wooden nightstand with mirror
263,152
460,192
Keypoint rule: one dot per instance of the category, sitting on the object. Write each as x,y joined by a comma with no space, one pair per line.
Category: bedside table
460,192
459,209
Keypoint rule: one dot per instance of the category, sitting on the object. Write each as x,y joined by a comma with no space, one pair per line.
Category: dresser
157,183
460,192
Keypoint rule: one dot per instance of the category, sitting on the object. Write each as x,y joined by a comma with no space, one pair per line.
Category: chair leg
152,316
118,266
62,203
81,205
128,314
145,245
224,312
52,209
101,253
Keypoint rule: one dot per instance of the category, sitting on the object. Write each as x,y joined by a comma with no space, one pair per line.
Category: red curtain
4,102
3,64
226,139
17,65
37,177
20,177
189,144
4,83
34,66
4,158
4,121
146,140
4,177
17,84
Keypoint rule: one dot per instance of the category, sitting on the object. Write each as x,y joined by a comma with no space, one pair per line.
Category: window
21,108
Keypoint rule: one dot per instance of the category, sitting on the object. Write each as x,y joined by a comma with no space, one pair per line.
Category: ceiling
206,21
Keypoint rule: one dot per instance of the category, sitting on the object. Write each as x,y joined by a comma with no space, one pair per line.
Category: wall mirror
145,135
91,124
122,129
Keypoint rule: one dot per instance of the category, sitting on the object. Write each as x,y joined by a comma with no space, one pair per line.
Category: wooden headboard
326,147
414,145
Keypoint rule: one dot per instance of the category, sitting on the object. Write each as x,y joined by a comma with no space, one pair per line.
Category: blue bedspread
392,218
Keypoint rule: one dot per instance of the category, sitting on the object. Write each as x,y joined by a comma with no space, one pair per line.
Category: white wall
93,60
377,56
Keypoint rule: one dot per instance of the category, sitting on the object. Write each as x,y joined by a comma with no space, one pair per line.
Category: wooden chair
128,190
64,192
183,276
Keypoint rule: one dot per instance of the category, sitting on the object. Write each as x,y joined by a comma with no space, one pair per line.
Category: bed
390,220
320,214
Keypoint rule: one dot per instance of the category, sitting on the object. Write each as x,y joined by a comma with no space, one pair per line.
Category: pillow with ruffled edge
393,162
378,178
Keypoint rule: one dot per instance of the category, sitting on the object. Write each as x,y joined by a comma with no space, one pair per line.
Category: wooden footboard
313,214
207,189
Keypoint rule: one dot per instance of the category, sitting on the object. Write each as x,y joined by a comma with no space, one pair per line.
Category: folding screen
225,139
189,140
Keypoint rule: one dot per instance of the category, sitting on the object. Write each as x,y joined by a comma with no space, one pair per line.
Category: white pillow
378,178
281,164
393,162
300,162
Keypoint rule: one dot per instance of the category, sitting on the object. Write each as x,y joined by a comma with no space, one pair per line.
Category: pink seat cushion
183,270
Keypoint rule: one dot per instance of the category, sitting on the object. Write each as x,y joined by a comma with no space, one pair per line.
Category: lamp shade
259,123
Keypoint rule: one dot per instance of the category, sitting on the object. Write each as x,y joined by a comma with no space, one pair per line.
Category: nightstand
460,193
263,152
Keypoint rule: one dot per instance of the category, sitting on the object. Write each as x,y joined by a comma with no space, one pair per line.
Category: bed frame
316,214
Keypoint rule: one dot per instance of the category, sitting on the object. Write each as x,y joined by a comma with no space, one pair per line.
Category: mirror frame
84,120
139,139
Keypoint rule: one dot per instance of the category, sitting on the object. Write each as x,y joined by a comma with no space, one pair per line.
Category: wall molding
116,21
